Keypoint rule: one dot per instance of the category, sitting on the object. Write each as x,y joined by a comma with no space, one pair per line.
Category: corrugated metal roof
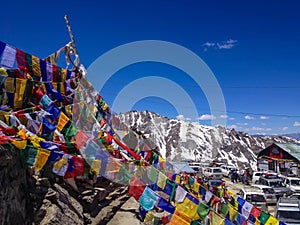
292,148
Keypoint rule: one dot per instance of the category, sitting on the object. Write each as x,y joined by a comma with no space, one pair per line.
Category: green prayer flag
203,210
153,174
224,208
263,217
124,176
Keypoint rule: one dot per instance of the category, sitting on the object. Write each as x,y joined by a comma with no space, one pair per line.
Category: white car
254,196
257,174
269,193
213,172
292,182
226,169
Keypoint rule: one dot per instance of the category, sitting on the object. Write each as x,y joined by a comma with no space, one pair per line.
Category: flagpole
72,41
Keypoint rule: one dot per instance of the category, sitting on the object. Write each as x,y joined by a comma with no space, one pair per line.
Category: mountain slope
181,140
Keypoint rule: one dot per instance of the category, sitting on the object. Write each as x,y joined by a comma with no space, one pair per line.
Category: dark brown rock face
15,185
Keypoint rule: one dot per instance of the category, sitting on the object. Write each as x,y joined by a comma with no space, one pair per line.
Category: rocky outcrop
41,198
15,187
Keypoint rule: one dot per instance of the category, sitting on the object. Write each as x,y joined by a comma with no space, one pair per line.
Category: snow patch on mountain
182,140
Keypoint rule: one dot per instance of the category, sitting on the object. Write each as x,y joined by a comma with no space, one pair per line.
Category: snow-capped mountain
181,140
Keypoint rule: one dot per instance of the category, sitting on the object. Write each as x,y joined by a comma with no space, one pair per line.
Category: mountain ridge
182,140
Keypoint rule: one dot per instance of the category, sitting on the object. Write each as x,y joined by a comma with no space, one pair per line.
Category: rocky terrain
181,140
28,197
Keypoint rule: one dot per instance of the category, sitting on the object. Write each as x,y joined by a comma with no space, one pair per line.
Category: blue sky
252,48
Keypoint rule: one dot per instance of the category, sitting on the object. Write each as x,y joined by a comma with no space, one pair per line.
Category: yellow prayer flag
69,109
149,217
60,164
41,158
22,134
189,208
63,74
62,121
36,66
9,85
95,167
3,71
180,218
230,192
272,221
19,94
232,213
19,144
161,180
177,179
161,159
216,219
257,222
196,187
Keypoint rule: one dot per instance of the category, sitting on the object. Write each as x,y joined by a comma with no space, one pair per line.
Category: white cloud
183,118
223,116
257,128
264,117
268,129
206,117
229,44
249,117
296,124
264,124
242,124
231,118
209,44
285,128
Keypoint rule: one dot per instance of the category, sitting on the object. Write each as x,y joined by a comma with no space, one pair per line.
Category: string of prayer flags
41,158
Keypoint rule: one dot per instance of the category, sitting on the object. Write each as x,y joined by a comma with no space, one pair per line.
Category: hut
282,158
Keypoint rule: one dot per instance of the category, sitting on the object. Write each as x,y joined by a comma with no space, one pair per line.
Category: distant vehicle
257,174
269,193
288,211
213,172
277,185
295,195
226,169
292,182
255,196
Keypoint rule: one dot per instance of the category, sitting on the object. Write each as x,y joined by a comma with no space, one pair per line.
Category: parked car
226,169
295,195
276,183
269,193
213,172
288,211
256,175
255,196
292,182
